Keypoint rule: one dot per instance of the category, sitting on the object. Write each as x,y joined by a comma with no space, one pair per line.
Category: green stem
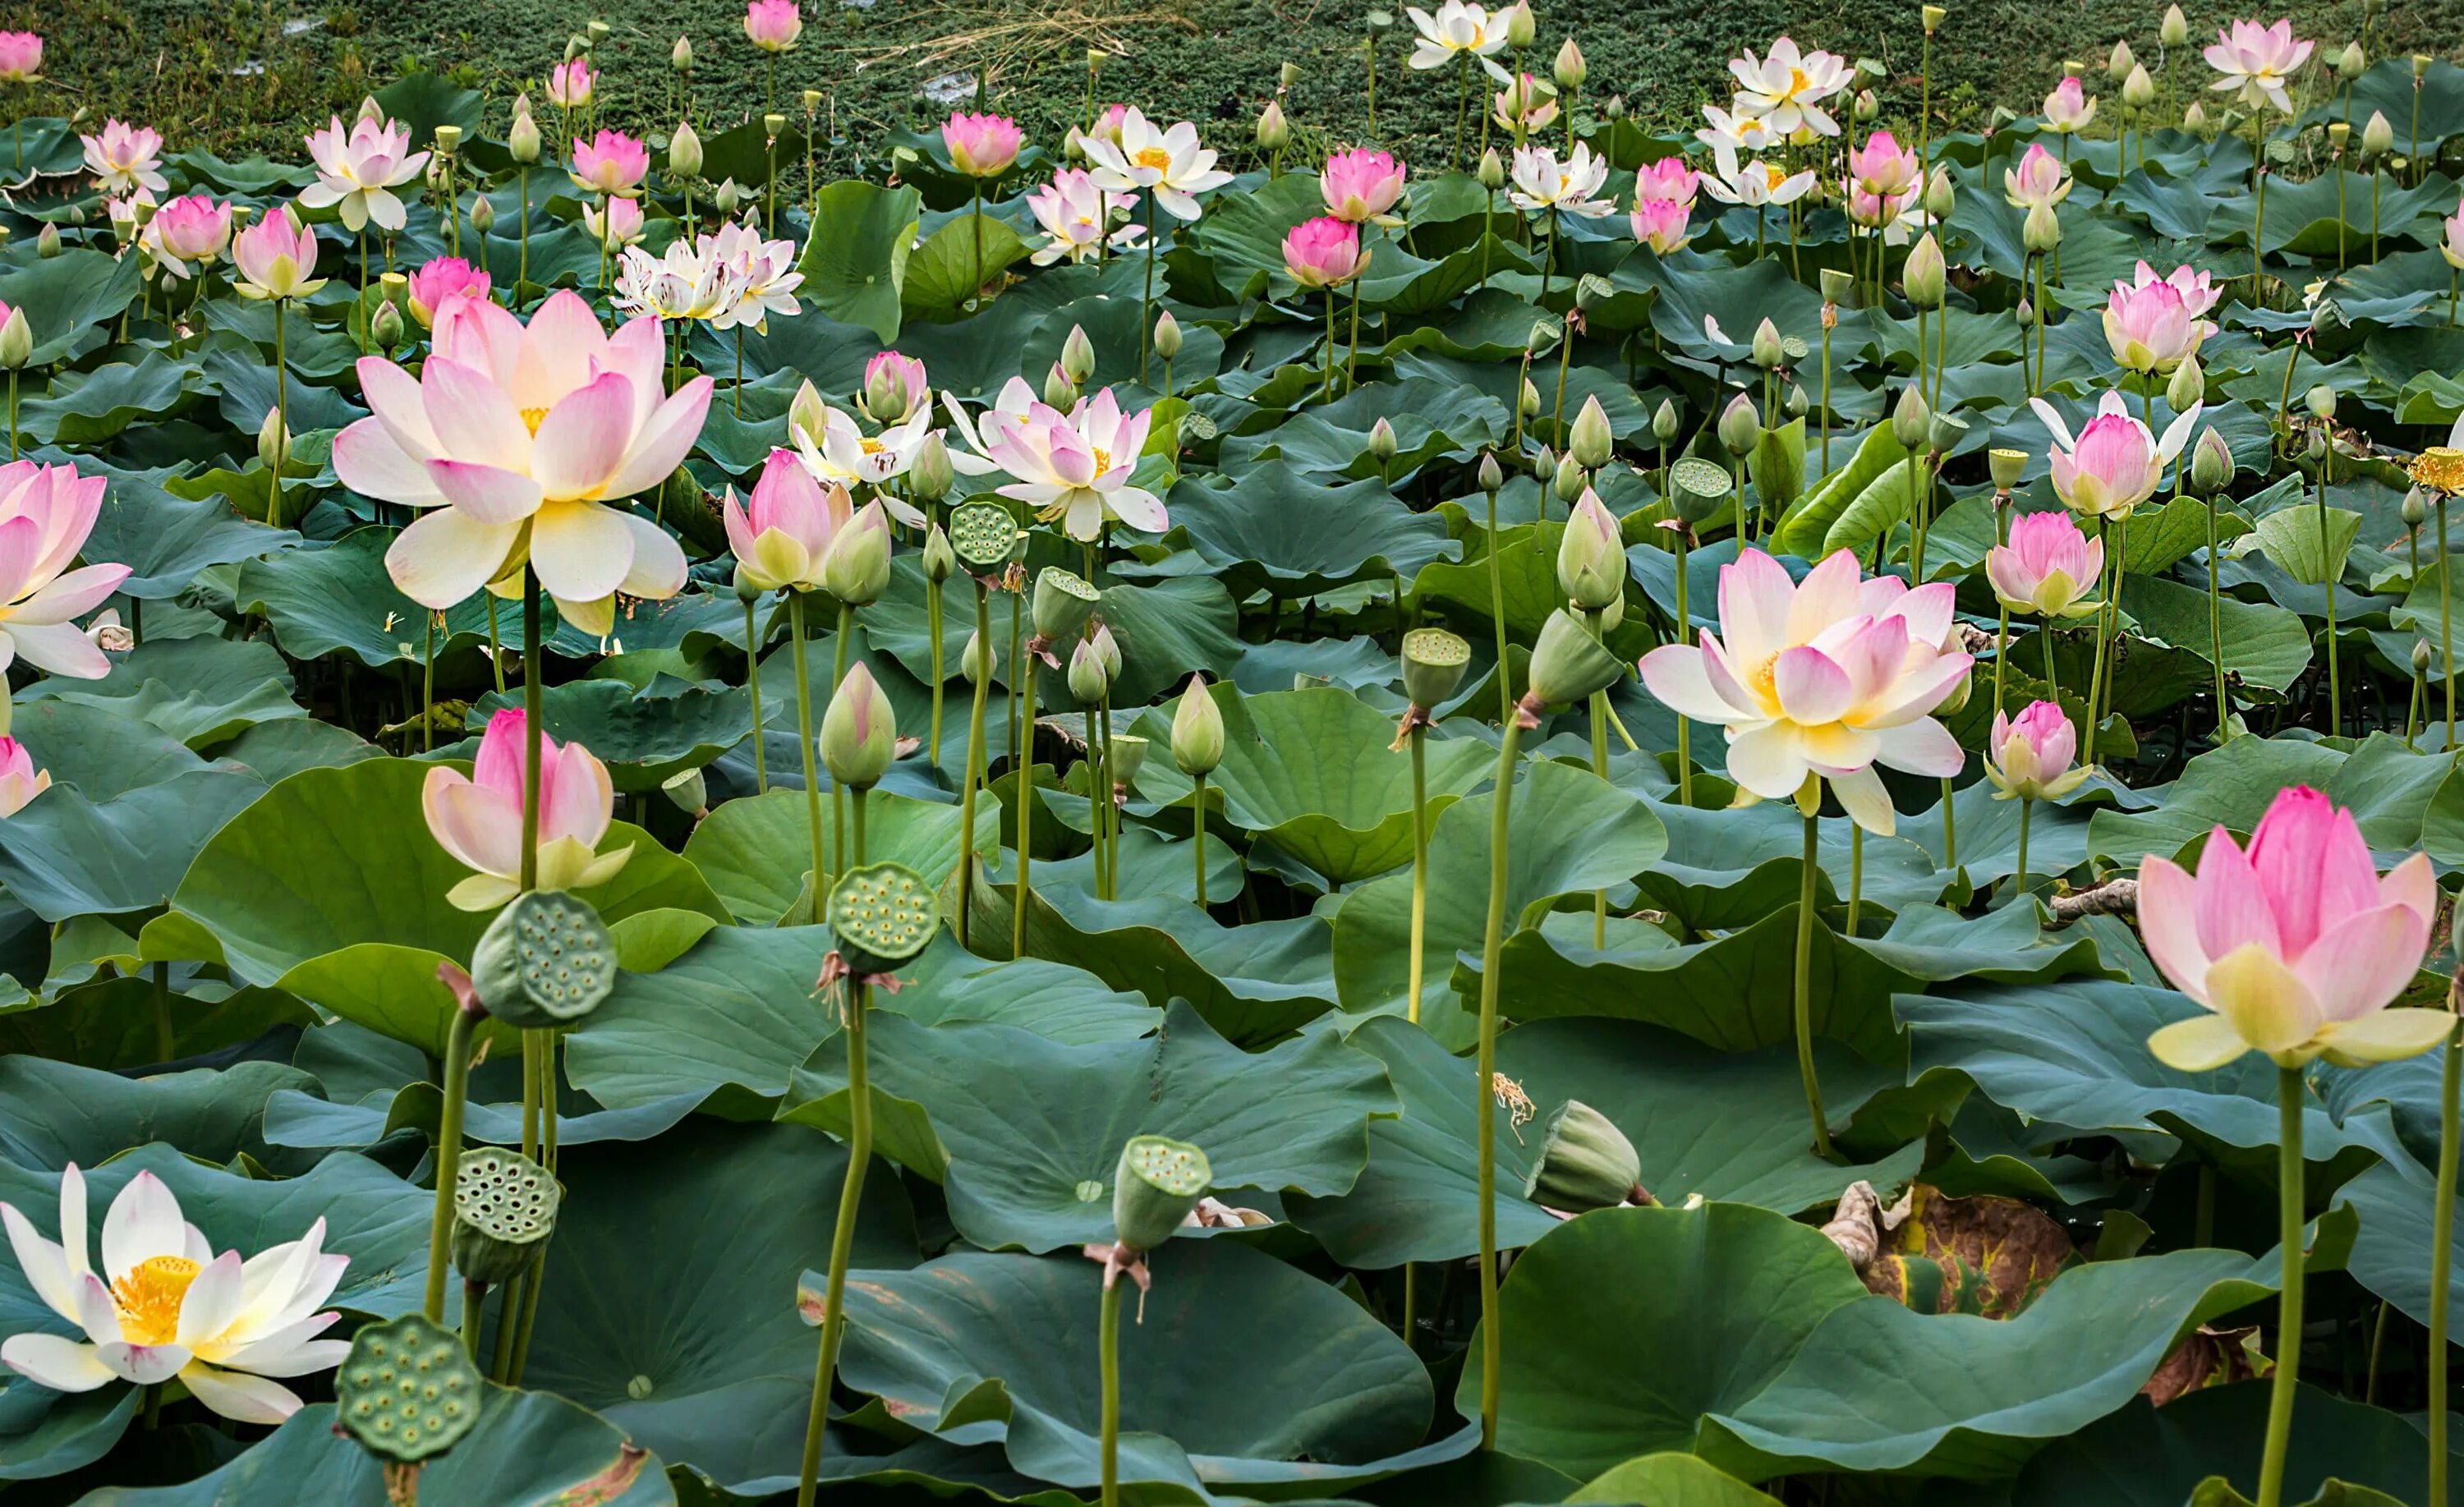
281,419
2216,630
1855,876
974,760
753,686
1419,869
523,258
1805,991
1497,617
1025,889
1146,302
841,1239
1949,828
2026,806
934,618
1491,1334
1685,635
2442,1253
1198,836
1108,1340
2096,670
804,740
2288,1328
474,1306
449,1157
2446,627
428,680
534,726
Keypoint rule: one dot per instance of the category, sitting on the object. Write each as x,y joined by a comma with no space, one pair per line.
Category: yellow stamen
149,1298
870,446
2440,468
1155,157
1764,678
532,417
1103,460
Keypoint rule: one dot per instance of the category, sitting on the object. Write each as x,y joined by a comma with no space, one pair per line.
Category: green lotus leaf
64,855
53,1113
754,850
1277,531
201,690
855,267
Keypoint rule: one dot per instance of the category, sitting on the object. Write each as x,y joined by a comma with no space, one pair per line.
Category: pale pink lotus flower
781,536
2068,109
514,433
1828,677
610,163
2258,62
1168,163
125,158
2038,179
1739,129
2149,328
2049,567
1525,100
46,511
2198,290
164,1306
1754,184
760,274
2451,238
613,222
1360,184
1540,182
276,257
1107,127
981,146
1457,28
440,278
684,283
1324,253
773,24
2117,462
190,229
841,454
1075,467
359,168
2295,946
478,819
1074,211
21,57
571,83
894,388
20,781
1787,87
1884,168
2029,758
1669,180
1662,224
972,455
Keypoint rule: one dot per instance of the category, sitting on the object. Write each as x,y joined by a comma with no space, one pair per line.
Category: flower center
149,1298
1764,679
532,417
1155,157
1797,81
2440,468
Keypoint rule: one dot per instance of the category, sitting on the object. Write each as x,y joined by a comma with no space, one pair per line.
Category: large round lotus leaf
110,1024
55,1113
341,599
1279,531
45,1433
63,855
1671,1479
754,850
201,690
669,1301
98,750
1033,1128
1725,870
733,1016
1432,418
1323,1382
1313,772
2229,787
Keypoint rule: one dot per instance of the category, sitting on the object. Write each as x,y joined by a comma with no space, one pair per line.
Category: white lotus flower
1455,29
1543,183
843,455
1168,163
1009,409
1787,86
1753,183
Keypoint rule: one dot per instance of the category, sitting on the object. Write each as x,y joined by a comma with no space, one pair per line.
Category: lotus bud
384,326
772,124
1078,356
1544,466
370,111
1866,105
1059,391
857,567
47,241
806,414
16,342
1490,476
680,55
2025,311
1571,481
1382,444
2322,400
2378,138
1197,730
940,561
2005,467
1740,427
1941,196
1766,351
1062,604
1590,439
273,441
1615,109
745,590
522,142
690,791
1492,170
2042,230
1925,273
2188,387
684,152
727,196
1912,420
1167,339
1274,132
2211,464
1568,664
2118,67
1835,285
1591,555
1434,662
2138,90
2421,656
1521,26
859,731
1794,404
1530,400
2414,509
1570,71
974,661
1665,422
2194,118
2174,31
483,213
1586,1162
2351,63
1089,685
1157,1185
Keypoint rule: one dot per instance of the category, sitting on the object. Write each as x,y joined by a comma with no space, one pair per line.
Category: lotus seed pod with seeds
1586,1162
689,789
504,1210
408,1391
1063,603
1158,1184
1433,662
1568,664
546,960
1124,755
859,731
883,915
1197,730
1697,489
983,534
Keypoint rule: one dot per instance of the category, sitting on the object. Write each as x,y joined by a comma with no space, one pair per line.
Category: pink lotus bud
2049,567
1662,224
2031,757
1360,184
2149,328
1324,253
441,279
781,536
2039,178
1668,179
894,388
20,781
2068,108
773,24
478,819
570,84
277,257
21,60
981,146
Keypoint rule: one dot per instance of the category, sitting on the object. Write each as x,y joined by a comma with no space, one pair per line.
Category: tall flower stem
2335,679
2442,1253
1685,634
804,740
974,757
1805,990
1491,1335
1026,820
522,257
838,794
1146,300
934,615
449,1158
2216,630
841,1239
1108,1340
1497,615
1855,877
1198,836
1950,827
2026,806
2096,670
1463,107
281,417
1419,873
2446,625
976,218
2288,1327
753,685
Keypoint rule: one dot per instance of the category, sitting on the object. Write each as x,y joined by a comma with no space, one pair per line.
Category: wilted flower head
358,169
478,819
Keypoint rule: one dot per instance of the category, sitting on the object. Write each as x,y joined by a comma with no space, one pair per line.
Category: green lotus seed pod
1586,1162
1931,17
407,1390
1943,434
859,731
1125,754
690,791
1665,422
1062,604
505,1208
883,914
1835,284
546,960
1590,440
856,569
940,561
1434,662
1923,278
983,534
1591,557
1197,730
1157,1185
1697,488
2189,386
1087,681
1568,664
2005,466
1911,420
2211,464
1078,356
1740,427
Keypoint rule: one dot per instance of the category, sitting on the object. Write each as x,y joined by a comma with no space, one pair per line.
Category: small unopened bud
1913,419
1590,439
680,55
1591,555
1740,427
2188,387
1544,466
2378,138
2415,509
807,415
1089,685
2211,464
370,111
2351,63
1382,444
1925,276
1866,105
859,731
2042,230
522,142
2174,31
1491,475
1531,398
974,661
1793,403
2322,400
1059,391
47,241
1571,482
385,327
483,213
857,566
1615,109
1274,132
1570,70
1941,196
16,342
940,561
1665,422
1492,170
2005,467
1521,26
929,475
2138,90
2421,656
273,441
1167,334
2194,118
728,196
1197,730
1765,350
2118,67
684,152
1078,355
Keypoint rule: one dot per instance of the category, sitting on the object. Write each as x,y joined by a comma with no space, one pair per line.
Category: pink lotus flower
2048,568
190,228
125,158
1360,184
1074,212
439,279
1107,125
783,536
894,388
610,163
2257,62
981,146
1324,253
2039,178
773,24
1825,678
2029,758
2451,238
1076,466
2068,108
1667,181
21,57
514,432
2149,328
358,170
1662,224
478,819
1525,100
613,222
20,781
2198,290
46,511
571,83
2295,946
276,257
1884,168
2117,463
